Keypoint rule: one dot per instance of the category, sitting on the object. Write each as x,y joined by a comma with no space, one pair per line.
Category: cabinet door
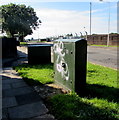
64,63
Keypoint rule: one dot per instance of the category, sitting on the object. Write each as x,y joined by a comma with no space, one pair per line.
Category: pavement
19,100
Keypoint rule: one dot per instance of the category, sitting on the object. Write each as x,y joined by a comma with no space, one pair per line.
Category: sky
61,17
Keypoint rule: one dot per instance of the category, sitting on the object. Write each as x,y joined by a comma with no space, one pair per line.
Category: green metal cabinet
70,58
39,54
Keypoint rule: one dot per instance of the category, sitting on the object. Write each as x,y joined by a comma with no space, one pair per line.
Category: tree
18,19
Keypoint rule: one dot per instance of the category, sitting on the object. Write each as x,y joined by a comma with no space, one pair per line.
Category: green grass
38,73
23,43
101,75
100,100
73,107
105,45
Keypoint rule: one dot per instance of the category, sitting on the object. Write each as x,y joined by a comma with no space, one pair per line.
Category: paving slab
17,91
19,84
44,117
0,88
0,103
6,86
7,68
11,81
0,114
0,95
27,111
20,101
11,75
28,98
4,114
5,77
9,102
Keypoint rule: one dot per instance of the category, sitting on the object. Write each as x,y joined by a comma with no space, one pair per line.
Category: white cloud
60,22
56,22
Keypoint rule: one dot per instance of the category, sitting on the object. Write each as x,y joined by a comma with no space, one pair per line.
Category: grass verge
73,107
100,101
23,43
100,75
105,45
38,73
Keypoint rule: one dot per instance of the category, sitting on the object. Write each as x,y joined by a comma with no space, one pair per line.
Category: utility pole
108,26
108,31
90,16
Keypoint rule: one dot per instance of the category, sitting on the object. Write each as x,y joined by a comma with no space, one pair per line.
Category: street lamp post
108,26
90,16
108,36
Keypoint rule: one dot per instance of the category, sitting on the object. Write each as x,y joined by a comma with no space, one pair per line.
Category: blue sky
60,18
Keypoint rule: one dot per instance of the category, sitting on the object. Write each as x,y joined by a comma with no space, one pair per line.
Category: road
106,56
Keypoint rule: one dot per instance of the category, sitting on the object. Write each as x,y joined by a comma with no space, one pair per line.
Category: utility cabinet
70,60
39,54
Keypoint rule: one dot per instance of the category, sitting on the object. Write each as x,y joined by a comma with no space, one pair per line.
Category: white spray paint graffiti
61,64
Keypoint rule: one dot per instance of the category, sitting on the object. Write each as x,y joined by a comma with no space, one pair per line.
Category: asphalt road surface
106,56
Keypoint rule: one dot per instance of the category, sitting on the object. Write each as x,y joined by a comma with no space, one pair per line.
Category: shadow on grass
35,66
100,91
33,82
71,107
91,73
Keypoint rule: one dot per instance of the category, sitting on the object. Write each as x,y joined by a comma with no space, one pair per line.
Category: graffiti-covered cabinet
70,58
